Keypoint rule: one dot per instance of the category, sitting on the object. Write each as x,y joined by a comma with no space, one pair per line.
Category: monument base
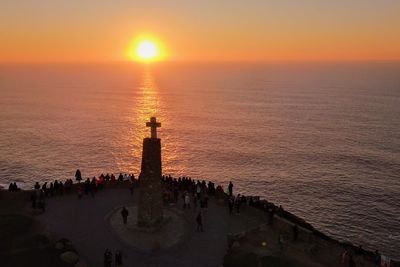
150,211
169,232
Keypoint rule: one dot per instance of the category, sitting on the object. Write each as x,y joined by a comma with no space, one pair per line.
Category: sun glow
146,49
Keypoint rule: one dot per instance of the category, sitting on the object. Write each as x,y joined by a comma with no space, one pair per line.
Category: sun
147,50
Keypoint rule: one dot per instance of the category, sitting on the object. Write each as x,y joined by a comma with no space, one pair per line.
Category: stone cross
153,124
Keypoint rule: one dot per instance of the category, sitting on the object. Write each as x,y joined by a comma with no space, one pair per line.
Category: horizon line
77,62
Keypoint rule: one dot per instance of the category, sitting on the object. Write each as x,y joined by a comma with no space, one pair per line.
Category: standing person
345,257
270,216
131,188
237,203
44,189
281,241
206,201
51,189
78,175
61,186
125,214
195,202
33,199
87,186
230,189
93,186
377,258
79,191
107,258
199,220
187,201
118,258
37,186
176,194
42,203
198,190
231,204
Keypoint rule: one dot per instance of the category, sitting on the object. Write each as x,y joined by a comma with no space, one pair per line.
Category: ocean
320,139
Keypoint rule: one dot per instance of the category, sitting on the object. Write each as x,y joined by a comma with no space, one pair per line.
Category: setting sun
147,50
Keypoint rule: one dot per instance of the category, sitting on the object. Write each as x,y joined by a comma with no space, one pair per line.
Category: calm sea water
323,140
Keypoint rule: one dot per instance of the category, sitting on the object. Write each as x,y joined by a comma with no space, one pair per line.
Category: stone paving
86,222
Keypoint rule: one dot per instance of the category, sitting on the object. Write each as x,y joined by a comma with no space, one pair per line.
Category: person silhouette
78,175
107,258
118,258
230,189
125,214
199,221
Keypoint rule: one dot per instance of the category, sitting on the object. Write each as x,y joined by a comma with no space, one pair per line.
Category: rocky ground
24,242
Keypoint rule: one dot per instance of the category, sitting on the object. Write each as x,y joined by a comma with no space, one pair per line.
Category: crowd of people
194,193
236,202
91,185
108,258
189,188
38,200
107,177
13,187
58,187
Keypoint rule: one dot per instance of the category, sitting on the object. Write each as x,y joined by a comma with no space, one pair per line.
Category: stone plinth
171,231
150,206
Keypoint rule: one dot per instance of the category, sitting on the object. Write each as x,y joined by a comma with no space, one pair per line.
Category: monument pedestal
168,233
150,205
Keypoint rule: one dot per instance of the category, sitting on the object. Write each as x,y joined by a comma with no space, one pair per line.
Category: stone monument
150,205
153,226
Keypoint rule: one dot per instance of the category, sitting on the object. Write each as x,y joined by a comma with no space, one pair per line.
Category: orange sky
207,30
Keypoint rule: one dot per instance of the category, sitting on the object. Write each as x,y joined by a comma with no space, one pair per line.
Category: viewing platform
92,224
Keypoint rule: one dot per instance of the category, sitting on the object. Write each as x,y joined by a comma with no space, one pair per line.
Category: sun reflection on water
147,102
147,105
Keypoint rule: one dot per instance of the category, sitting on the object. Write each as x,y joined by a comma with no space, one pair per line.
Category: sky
206,30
